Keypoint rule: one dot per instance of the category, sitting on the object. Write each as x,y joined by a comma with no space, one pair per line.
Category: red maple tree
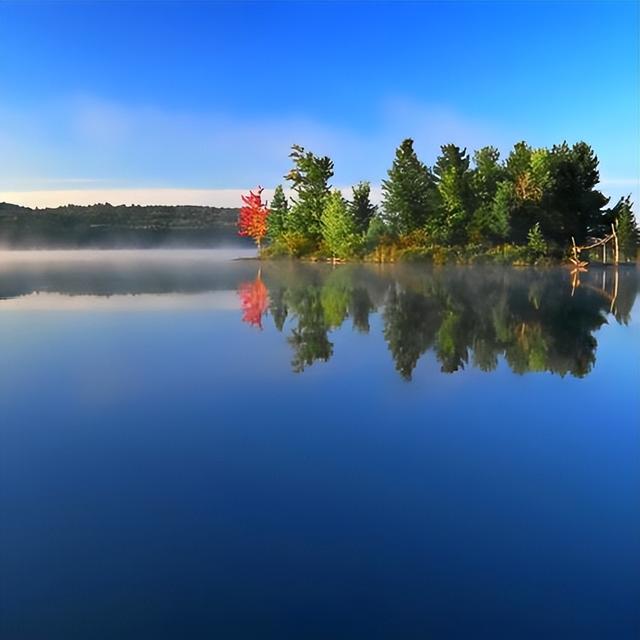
252,221
254,298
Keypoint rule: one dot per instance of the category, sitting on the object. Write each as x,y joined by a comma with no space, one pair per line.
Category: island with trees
537,206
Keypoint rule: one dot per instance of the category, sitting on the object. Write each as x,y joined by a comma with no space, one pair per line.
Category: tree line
528,207
106,225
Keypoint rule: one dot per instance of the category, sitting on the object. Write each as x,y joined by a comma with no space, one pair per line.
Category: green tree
278,214
454,186
338,231
309,338
376,232
310,180
487,173
626,228
409,191
527,170
411,321
536,244
361,208
573,206
518,160
498,221
485,178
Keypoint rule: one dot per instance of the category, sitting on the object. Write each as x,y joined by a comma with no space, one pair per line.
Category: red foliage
252,221
254,298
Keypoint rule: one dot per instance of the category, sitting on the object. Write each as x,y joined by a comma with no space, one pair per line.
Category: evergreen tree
454,186
409,191
499,220
518,160
310,179
536,244
521,211
573,207
279,210
529,172
337,226
376,232
626,228
361,208
486,175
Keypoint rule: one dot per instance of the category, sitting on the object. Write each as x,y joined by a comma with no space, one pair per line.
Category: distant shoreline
104,225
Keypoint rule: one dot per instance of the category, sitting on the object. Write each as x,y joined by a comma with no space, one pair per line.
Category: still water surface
198,447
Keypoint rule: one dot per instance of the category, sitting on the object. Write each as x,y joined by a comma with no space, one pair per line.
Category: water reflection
535,320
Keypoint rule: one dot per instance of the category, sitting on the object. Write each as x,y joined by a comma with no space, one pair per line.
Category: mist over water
124,256
235,448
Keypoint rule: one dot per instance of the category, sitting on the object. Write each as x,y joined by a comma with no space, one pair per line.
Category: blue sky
192,101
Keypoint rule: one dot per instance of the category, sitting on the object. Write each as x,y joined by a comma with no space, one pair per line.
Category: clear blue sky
210,95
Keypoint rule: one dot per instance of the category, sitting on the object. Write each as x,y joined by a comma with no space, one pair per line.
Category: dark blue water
197,448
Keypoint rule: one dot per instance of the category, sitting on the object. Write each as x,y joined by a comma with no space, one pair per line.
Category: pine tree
361,208
536,244
499,219
573,206
627,229
518,160
310,179
487,174
337,226
529,172
454,186
277,220
409,192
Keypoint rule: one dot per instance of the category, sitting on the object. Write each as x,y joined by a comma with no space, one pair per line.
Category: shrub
296,244
536,244
508,254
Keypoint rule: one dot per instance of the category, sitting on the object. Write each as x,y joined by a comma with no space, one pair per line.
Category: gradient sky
159,101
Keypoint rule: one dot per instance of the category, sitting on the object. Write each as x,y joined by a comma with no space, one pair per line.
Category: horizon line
177,196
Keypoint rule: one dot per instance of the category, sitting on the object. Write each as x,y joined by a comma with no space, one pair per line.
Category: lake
196,446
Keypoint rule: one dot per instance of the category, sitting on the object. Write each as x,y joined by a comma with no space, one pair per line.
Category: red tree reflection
254,298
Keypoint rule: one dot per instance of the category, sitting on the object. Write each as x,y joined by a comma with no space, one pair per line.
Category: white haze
123,256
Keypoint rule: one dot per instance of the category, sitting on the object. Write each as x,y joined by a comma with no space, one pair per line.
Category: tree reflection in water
254,299
533,319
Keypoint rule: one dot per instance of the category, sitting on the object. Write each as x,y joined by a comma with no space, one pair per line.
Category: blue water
416,453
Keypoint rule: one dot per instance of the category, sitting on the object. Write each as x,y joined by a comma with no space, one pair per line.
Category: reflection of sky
148,454
214,300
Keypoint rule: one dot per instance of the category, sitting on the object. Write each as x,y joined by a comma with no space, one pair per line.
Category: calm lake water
198,447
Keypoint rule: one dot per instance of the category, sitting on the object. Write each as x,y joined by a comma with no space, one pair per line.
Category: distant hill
105,225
